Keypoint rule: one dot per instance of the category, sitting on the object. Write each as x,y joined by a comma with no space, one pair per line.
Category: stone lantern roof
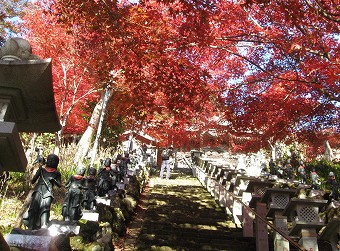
26,100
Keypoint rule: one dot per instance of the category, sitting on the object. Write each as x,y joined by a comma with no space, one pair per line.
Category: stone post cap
17,49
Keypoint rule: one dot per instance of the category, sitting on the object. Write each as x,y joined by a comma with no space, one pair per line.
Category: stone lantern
26,101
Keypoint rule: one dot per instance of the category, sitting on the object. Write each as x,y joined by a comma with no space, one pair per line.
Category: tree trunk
328,151
30,158
273,151
85,141
100,124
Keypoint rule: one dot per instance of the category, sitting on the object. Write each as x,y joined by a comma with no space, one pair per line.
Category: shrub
323,167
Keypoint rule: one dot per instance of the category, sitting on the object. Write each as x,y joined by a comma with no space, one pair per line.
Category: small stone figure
288,170
71,209
125,163
315,180
116,173
38,213
302,173
334,186
119,166
144,149
40,158
272,170
264,170
280,170
105,178
91,183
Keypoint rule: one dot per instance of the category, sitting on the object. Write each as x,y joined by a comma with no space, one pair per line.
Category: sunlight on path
179,214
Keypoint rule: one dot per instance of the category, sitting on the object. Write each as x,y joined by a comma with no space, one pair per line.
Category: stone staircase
179,214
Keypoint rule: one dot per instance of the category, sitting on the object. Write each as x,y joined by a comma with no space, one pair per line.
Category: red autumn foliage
73,78
267,69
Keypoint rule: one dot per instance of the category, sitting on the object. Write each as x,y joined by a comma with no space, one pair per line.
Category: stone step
181,215
192,243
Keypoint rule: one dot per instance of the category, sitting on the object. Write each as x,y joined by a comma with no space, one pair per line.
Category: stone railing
258,202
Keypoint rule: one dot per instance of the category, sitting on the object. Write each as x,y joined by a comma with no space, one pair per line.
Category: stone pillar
222,195
248,222
309,239
247,216
261,230
237,210
228,201
280,243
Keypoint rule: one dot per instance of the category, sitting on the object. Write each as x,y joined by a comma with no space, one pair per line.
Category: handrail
284,235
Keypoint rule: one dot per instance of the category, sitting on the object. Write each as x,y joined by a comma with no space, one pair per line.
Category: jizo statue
106,176
38,214
91,183
71,209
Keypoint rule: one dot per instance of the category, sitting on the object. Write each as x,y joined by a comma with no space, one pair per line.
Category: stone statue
302,173
40,158
71,209
91,183
106,175
126,162
119,168
38,213
17,49
272,170
315,180
288,170
280,170
334,186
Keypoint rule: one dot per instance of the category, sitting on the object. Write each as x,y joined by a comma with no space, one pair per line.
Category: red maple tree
264,70
73,77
